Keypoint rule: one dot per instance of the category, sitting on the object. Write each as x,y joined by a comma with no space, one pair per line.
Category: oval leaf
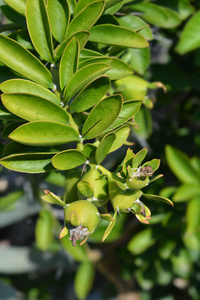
28,87
59,15
102,116
16,57
33,108
180,165
28,163
84,279
39,28
90,94
85,189
138,158
86,17
116,35
69,62
44,229
121,137
68,159
43,133
82,77
18,5
104,147
186,192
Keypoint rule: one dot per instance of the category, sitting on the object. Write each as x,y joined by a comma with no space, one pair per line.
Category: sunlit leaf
68,159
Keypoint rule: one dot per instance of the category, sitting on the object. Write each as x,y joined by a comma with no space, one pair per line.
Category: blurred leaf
33,108
166,247
132,87
69,62
138,59
86,17
28,163
21,60
68,159
39,28
114,8
90,94
59,16
186,192
116,35
158,198
98,119
182,7
143,120
193,216
141,241
121,135
7,201
18,5
180,165
78,253
44,133
82,77
84,279
27,87
182,264
44,229
104,147
190,39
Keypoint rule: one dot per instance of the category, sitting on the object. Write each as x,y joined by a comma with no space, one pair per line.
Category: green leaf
82,37
110,226
141,241
44,229
154,163
81,4
33,108
23,62
43,133
138,158
13,16
190,39
78,253
85,189
18,5
180,165
39,28
104,147
22,37
143,120
84,279
86,17
52,198
114,8
135,23
193,216
129,109
69,62
28,163
158,198
90,94
82,77
138,59
87,53
68,159
102,116
59,16
121,136
110,3
9,128
186,192
6,202
116,35
28,87
6,115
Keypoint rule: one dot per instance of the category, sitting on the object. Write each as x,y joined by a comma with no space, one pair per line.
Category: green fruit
81,213
136,183
72,178
98,184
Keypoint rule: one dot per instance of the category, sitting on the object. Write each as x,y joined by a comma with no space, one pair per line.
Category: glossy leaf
68,62
28,87
86,17
116,35
186,192
129,109
59,16
28,163
180,165
10,127
90,94
104,147
85,189
190,39
158,198
121,136
82,37
87,53
18,5
54,199
102,116
43,133
68,159
23,62
44,229
33,108
82,77
84,279
139,157
39,28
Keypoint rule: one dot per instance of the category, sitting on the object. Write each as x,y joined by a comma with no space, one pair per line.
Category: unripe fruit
72,178
99,184
135,183
81,213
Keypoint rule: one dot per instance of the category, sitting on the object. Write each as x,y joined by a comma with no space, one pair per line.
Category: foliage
71,106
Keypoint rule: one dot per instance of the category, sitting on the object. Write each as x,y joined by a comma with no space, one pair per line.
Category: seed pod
81,217
98,184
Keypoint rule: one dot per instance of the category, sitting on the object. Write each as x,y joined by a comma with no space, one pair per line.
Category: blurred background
160,261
